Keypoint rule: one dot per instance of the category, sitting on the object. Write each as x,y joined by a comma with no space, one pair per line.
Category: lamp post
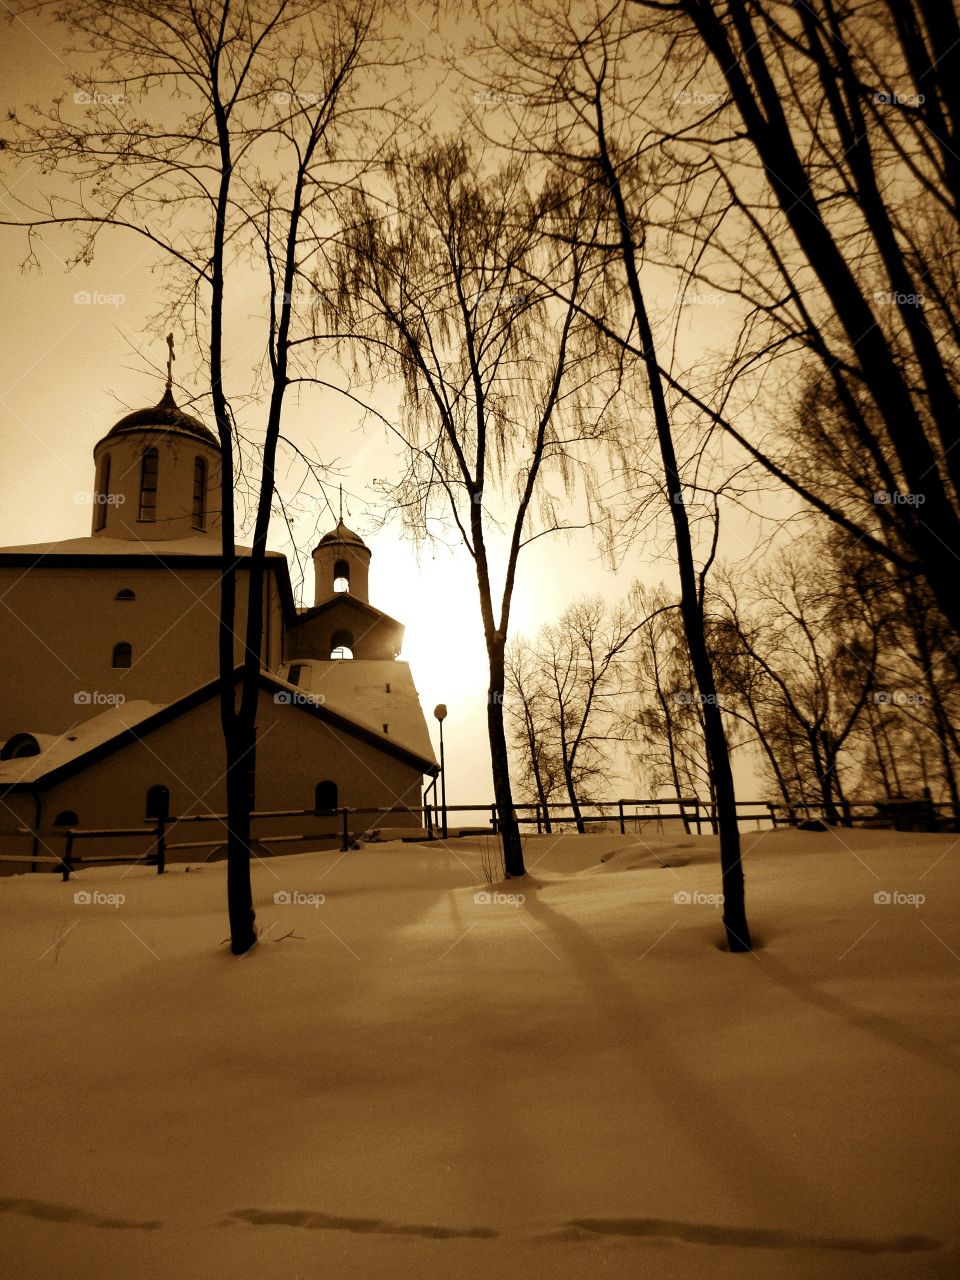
440,711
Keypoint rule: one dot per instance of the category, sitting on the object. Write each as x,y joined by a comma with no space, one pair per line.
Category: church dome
166,414
341,534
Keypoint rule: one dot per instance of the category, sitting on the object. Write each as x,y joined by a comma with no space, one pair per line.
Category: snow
58,749
199,544
414,1083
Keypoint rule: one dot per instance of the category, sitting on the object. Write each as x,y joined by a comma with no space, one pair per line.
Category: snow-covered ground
405,1081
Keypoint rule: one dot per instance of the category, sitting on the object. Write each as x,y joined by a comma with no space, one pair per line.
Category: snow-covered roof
60,749
357,690
197,545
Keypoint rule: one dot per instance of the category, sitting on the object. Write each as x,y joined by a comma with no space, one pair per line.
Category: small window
149,471
125,594
341,576
66,818
123,655
18,746
102,496
295,672
386,728
387,686
325,796
341,644
199,494
158,802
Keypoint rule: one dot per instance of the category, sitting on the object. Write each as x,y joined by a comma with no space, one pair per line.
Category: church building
109,689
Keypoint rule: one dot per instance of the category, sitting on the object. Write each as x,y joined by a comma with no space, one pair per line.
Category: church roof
165,414
358,691
341,534
64,755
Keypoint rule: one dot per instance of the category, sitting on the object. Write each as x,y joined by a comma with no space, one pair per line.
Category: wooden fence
696,817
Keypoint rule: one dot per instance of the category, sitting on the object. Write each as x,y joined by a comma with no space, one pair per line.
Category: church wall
59,628
295,751
373,638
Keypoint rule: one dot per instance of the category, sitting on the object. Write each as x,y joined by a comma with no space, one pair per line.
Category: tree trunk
574,803
241,745
502,791
691,610
538,782
830,811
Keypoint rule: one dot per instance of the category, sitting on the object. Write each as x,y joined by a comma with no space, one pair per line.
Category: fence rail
695,815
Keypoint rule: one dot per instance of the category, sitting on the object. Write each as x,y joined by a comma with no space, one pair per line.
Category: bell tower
341,566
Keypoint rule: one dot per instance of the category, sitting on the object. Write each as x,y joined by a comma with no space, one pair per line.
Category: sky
78,351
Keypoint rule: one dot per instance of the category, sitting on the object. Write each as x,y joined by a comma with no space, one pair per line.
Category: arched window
341,576
125,594
66,818
18,746
149,471
341,644
199,493
102,495
123,654
158,802
325,796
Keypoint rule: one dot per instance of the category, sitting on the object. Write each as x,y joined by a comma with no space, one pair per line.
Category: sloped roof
117,727
57,750
358,690
198,544
343,600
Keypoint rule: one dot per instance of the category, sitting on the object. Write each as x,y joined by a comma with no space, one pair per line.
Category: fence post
345,843
623,826
67,864
161,844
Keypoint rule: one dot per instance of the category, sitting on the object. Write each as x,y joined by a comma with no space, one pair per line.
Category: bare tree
566,67
571,685
210,132
435,278
539,773
818,655
842,244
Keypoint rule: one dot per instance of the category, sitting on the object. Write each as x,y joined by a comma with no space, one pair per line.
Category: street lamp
440,711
